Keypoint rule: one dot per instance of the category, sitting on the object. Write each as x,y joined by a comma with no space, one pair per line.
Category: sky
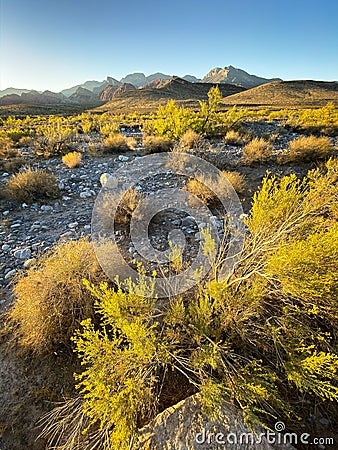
56,44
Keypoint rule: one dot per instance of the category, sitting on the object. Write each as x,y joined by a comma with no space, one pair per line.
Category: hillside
232,75
148,99
304,93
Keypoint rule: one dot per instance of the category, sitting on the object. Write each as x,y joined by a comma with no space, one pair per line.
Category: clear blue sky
54,44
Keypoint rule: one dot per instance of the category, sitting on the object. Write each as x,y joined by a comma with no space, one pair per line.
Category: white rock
46,208
5,247
87,227
123,158
73,225
24,253
24,205
85,194
108,180
10,274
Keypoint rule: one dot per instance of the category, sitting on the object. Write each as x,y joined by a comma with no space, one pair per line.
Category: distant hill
149,98
89,85
298,93
232,75
33,98
11,91
109,92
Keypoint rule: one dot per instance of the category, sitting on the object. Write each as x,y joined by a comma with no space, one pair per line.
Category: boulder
185,427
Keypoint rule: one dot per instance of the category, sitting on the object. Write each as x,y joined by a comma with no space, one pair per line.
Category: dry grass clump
257,150
6,147
200,190
236,179
32,185
233,138
307,148
52,300
127,206
157,144
191,139
115,143
72,159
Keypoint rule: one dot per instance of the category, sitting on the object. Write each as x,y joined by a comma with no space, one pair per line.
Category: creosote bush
157,144
264,338
32,185
51,300
258,150
307,148
72,159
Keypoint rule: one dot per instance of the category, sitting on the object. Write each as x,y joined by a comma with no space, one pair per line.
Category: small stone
46,208
123,158
10,274
61,185
24,253
105,177
5,213
5,174
202,225
85,194
16,225
5,247
87,227
73,225
65,198
24,205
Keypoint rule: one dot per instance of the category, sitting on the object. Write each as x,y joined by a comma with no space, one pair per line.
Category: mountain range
100,91
138,92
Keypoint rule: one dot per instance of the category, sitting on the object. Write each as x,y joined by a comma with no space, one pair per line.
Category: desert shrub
132,142
232,137
127,205
25,141
307,148
51,300
72,159
32,185
157,144
258,150
6,147
115,143
236,179
190,139
200,190
264,338
53,139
